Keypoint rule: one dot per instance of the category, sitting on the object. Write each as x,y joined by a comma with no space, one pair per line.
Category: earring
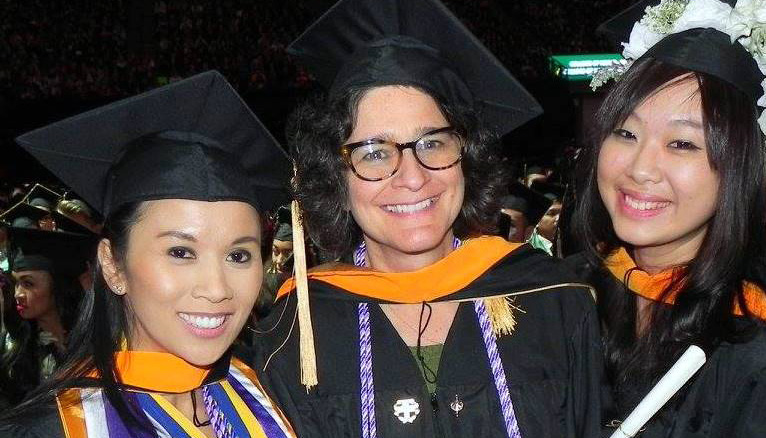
118,290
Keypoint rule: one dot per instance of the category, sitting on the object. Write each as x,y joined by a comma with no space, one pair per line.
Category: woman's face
654,175
191,275
413,210
34,294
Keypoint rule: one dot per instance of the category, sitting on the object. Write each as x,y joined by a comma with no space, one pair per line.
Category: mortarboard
537,204
706,50
359,43
58,252
193,139
39,209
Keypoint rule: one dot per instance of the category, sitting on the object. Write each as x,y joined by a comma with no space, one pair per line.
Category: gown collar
165,372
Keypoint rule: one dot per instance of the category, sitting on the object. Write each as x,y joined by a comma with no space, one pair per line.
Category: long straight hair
732,251
102,327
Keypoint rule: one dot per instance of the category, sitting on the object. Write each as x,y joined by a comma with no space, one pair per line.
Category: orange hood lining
449,275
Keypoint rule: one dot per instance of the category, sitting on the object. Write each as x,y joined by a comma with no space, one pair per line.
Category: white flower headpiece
745,24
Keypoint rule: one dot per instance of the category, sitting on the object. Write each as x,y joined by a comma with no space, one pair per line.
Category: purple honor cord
367,391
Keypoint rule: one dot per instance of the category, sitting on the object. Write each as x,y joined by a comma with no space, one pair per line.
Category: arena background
58,58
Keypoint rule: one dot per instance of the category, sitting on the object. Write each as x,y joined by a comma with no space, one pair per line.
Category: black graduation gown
552,362
727,397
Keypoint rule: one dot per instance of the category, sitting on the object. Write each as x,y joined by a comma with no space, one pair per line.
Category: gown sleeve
585,377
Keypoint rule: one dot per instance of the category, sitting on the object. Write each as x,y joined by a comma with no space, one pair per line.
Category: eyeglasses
376,159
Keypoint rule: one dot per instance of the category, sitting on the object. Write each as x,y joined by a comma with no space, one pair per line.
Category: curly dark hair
318,128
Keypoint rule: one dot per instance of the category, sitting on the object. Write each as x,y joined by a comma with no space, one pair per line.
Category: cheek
696,186
150,284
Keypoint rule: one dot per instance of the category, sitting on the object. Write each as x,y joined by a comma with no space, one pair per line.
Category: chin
419,241
203,357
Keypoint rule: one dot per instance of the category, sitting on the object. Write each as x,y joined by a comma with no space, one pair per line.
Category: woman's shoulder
42,422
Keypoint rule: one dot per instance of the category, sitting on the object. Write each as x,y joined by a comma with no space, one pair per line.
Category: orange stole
450,274
651,286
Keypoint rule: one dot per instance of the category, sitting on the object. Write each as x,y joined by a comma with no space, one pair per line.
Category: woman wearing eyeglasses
430,327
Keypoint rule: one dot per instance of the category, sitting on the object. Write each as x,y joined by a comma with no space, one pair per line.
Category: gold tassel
309,377
500,311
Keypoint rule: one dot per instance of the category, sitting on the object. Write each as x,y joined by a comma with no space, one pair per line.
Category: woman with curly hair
671,212
397,176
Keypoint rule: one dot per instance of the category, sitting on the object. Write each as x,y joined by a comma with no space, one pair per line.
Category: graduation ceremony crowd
389,265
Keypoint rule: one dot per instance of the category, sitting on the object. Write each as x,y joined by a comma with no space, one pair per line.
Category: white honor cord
680,373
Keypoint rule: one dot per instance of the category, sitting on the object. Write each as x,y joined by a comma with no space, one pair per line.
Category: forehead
679,97
399,111
18,275
201,218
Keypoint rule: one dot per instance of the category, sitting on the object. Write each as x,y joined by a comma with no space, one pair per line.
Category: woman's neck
387,259
654,259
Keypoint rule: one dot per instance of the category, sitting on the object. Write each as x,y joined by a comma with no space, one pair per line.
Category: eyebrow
178,234
189,237
246,239
388,135
692,123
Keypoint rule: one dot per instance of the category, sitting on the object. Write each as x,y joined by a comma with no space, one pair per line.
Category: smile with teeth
644,205
203,322
411,208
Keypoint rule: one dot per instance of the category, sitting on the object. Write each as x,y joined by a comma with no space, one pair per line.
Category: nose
411,175
17,292
213,285
645,165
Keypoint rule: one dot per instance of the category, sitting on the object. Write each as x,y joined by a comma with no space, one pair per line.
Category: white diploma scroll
680,373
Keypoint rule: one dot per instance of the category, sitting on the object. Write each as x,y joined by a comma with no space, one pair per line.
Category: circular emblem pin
406,410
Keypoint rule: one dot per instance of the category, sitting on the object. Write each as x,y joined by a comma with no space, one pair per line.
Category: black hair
102,326
318,128
732,251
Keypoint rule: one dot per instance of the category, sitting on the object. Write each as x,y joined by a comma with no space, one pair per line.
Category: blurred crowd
95,50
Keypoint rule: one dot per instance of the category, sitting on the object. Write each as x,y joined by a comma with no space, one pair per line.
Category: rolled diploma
684,368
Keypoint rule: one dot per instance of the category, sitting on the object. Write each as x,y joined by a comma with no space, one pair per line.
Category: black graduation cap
705,50
58,252
536,203
549,190
361,43
193,139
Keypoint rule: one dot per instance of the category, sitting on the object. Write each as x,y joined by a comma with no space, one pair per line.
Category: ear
110,268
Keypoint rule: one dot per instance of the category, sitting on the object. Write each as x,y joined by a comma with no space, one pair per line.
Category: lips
641,205
411,208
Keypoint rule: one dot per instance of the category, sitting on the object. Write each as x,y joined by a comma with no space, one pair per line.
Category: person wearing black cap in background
279,267
670,212
521,210
397,174
180,173
45,266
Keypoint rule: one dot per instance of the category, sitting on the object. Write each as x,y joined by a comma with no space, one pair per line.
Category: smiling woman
397,176
178,269
671,203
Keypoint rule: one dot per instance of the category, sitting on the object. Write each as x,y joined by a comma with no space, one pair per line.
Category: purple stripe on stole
118,429
267,422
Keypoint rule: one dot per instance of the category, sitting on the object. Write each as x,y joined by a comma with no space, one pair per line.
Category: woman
671,211
180,175
45,270
395,173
